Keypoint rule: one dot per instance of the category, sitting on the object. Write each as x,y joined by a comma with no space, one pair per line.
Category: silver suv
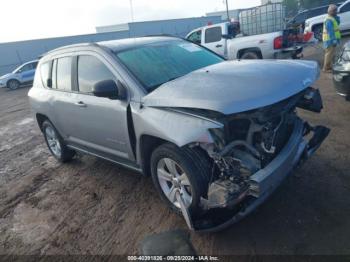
216,136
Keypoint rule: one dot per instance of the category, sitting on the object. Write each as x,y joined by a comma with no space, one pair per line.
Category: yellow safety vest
326,36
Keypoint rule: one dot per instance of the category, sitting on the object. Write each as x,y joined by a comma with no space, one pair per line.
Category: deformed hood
236,86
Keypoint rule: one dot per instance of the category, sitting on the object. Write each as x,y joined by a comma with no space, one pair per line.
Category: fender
170,125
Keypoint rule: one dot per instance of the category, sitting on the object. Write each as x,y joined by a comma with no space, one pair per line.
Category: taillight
308,36
278,42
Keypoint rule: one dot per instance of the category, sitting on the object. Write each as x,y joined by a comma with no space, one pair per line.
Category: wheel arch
147,144
12,79
256,50
40,118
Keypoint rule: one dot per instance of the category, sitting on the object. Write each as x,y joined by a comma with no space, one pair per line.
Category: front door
93,123
214,41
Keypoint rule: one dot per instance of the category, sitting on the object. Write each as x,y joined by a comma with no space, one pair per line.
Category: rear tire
250,55
56,144
318,31
13,84
191,162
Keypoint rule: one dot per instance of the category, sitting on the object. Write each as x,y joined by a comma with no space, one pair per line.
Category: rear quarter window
45,72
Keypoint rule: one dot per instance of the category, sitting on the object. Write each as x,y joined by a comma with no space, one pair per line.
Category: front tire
185,169
56,144
13,84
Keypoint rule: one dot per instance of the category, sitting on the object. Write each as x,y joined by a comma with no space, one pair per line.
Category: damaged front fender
172,126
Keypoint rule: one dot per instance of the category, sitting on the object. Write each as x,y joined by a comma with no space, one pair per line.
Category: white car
219,39
22,75
315,24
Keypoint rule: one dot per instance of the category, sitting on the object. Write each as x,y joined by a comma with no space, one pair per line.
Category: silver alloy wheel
53,141
171,177
13,85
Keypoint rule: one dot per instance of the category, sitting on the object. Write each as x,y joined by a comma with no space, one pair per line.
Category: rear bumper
291,52
264,182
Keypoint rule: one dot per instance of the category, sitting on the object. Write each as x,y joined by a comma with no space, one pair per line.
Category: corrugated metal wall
16,53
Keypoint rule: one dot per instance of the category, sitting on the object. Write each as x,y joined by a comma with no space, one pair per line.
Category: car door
96,124
214,41
344,15
27,72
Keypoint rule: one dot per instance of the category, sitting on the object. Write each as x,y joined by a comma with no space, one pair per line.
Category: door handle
81,104
218,46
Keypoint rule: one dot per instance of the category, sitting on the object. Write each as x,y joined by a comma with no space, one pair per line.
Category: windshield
161,62
17,69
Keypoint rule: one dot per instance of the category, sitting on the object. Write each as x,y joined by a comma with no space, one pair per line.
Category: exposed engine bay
248,143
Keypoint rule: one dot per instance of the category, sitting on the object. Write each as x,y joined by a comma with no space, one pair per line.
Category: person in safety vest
331,36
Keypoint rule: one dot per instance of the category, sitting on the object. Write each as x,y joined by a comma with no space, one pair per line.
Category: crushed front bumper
266,180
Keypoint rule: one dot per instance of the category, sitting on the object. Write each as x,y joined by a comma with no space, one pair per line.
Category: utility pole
227,12
132,11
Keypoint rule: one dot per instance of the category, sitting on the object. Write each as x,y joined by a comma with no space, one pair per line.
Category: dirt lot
91,206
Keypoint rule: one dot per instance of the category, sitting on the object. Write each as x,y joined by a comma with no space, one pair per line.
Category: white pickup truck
315,24
220,39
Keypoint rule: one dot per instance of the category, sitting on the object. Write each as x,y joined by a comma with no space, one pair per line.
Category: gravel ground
91,206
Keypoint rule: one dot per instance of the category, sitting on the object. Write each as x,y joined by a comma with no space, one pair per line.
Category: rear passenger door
62,96
97,124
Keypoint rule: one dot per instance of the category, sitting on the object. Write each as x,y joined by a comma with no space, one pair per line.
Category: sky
33,19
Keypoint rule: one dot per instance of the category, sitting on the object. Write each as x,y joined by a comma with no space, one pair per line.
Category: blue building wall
16,53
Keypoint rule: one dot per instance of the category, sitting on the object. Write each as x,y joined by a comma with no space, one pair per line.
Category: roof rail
72,45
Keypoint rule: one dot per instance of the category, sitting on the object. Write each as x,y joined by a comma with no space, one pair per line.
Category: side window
63,73
213,34
25,68
195,37
90,71
45,71
345,8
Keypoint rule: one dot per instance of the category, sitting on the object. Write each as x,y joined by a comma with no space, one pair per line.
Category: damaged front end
252,154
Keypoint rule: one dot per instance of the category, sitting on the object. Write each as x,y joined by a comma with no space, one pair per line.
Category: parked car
315,24
217,137
341,72
302,16
220,39
21,76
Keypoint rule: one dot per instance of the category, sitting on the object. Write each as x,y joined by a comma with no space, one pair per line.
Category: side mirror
106,88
